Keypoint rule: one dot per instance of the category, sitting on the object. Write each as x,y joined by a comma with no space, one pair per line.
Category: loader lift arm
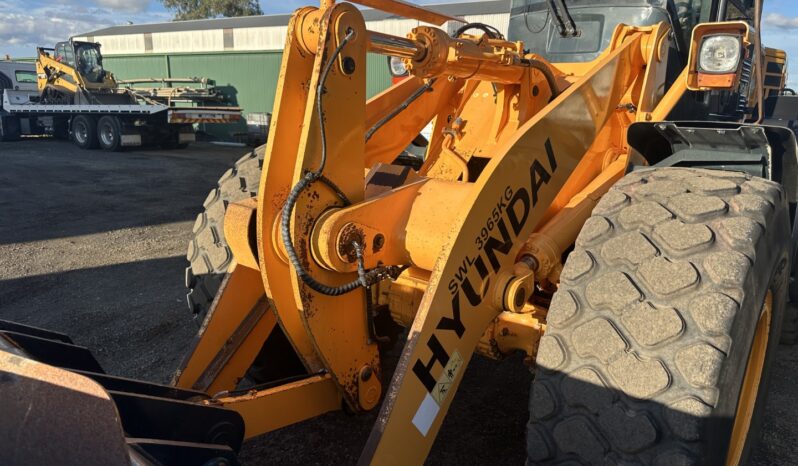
548,158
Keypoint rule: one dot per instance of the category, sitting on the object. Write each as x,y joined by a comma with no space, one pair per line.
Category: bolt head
366,373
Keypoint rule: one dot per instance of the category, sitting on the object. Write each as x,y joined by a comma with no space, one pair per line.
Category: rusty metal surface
270,409
50,413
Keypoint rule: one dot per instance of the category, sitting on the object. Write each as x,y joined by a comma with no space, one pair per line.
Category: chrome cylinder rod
386,44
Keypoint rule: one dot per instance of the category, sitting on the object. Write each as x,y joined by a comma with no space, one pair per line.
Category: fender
767,151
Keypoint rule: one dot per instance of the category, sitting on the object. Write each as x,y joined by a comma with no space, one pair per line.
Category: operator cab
85,57
569,31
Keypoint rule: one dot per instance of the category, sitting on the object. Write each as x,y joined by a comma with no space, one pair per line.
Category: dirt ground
92,244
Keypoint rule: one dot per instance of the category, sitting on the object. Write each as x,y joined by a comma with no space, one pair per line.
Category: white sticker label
426,414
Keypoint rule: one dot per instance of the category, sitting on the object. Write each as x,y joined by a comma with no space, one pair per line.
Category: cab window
64,54
739,10
26,77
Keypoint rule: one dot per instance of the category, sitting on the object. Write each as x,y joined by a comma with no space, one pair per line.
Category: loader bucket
58,402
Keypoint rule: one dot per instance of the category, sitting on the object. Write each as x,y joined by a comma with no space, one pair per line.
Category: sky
24,24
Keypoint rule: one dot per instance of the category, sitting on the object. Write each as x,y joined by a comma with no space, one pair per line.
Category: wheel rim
81,132
107,134
751,382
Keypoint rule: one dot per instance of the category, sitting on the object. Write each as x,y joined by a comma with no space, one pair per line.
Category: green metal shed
242,55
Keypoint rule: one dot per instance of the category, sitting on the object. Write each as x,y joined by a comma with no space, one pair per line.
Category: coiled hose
365,278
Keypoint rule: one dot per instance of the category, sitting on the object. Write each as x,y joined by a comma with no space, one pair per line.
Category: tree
201,9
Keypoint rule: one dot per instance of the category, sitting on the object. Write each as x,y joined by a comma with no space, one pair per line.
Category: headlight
719,54
397,67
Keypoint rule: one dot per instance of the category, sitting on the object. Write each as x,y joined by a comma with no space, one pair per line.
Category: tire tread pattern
644,318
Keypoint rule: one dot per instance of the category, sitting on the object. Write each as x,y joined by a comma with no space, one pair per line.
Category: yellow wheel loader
603,192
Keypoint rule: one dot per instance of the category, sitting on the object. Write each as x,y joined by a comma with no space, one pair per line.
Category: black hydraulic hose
491,31
309,178
550,79
412,98
365,278
560,12
285,230
320,92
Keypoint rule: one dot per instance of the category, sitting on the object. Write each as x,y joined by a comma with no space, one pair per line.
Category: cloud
24,27
124,5
37,28
780,21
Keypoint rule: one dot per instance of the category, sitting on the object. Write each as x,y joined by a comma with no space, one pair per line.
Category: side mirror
717,51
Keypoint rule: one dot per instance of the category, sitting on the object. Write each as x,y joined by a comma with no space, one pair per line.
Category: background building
242,55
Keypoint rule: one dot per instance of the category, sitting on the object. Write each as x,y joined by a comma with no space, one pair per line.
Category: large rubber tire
109,133
649,333
208,254
83,131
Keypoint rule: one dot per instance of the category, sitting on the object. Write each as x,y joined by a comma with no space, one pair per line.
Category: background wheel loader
602,192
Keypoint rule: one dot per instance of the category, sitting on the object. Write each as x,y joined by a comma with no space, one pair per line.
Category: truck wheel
84,132
109,133
208,254
660,338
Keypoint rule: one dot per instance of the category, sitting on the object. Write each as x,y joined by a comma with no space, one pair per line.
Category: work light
720,54
397,67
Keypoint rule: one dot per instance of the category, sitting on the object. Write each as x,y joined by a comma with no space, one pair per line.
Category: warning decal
447,377
430,406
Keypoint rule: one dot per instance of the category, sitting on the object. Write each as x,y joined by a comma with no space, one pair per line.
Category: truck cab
17,85
18,76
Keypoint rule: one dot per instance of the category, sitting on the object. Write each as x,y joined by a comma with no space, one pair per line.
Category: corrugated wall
246,69
248,79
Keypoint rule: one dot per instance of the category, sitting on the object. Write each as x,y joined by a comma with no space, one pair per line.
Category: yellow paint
751,383
241,294
268,410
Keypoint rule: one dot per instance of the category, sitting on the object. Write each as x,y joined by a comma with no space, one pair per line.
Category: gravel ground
92,244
